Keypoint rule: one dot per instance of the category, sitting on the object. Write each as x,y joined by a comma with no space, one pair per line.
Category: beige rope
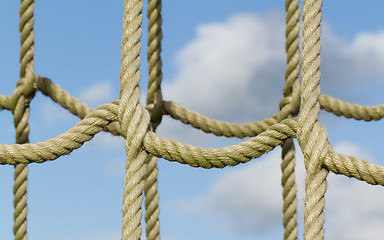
289,107
219,128
62,144
154,105
133,119
72,104
349,110
5,102
351,166
173,150
311,135
128,118
21,115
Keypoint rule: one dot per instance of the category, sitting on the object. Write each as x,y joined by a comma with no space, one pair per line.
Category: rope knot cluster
298,118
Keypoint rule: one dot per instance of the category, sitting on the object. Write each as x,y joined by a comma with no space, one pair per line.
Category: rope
154,105
137,125
62,144
218,128
21,115
173,150
72,104
349,110
289,107
311,135
133,119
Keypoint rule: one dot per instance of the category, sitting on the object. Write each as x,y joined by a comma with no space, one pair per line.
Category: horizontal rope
351,166
183,153
72,104
193,118
218,128
173,150
350,110
64,143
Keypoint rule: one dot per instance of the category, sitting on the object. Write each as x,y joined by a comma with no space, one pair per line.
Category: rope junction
298,118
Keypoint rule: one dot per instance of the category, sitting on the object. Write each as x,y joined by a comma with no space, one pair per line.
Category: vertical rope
154,96
133,119
21,115
289,107
311,134
154,103
152,200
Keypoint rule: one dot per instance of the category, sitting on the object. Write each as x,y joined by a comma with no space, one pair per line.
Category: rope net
298,118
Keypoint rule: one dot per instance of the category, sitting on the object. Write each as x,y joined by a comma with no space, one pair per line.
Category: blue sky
224,59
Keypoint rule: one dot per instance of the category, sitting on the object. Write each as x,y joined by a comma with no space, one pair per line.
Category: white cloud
354,209
348,148
232,70
97,94
349,67
248,200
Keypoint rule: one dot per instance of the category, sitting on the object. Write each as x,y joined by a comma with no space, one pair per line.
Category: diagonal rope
72,104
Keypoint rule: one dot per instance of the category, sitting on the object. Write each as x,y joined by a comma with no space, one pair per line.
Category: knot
290,104
289,107
133,119
155,110
316,148
27,87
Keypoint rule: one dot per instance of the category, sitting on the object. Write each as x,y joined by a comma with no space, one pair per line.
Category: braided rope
218,128
154,104
289,107
133,119
349,110
21,115
72,104
311,135
173,150
5,102
62,144
128,118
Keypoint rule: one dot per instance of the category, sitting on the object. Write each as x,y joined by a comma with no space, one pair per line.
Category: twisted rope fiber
349,110
311,135
21,115
133,119
178,112
218,128
62,144
289,107
243,152
154,104
94,123
72,104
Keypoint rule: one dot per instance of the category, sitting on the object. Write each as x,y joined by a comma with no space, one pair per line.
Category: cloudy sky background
225,60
